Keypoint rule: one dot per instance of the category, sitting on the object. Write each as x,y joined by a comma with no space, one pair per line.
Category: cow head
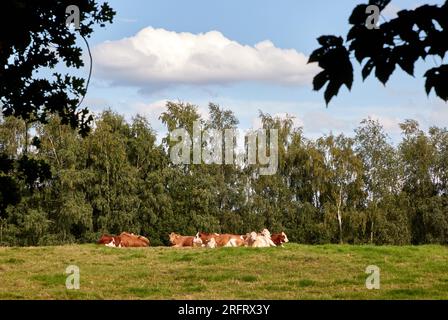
199,236
284,237
253,236
115,242
105,238
173,237
111,244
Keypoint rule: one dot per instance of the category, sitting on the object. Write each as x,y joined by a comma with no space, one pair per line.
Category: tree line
58,187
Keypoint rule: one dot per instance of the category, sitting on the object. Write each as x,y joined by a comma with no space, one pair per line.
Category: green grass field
293,272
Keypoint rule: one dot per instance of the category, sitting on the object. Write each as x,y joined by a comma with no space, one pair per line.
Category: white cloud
156,58
390,124
439,115
153,109
322,122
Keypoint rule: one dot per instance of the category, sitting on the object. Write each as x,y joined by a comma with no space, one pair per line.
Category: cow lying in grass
213,240
279,238
124,240
178,240
260,240
253,239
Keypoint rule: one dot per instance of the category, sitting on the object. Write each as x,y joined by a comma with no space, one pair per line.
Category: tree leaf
437,79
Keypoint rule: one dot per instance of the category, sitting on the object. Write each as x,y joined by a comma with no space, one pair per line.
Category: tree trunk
26,138
340,226
339,215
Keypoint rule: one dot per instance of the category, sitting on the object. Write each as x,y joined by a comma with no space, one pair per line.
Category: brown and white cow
125,240
132,240
213,240
178,240
107,239
279,238
205,237
230,240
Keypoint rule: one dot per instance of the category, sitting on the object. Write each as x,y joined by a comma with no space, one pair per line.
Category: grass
293,272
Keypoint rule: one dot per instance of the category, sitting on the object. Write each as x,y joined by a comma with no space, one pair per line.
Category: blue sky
128,81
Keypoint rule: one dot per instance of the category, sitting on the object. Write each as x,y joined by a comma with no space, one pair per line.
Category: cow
213,240
260,240
211,243
125,239
229,240
205,237
132,240
177,241
107,239
279,238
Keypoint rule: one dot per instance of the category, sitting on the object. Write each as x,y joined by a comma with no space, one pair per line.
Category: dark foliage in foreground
34,39
400,42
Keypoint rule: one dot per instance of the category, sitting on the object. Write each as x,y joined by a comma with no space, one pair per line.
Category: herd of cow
202,239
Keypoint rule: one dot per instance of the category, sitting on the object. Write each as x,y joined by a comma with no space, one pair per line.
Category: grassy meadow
292,272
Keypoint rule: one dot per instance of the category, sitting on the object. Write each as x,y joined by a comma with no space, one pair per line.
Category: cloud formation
157,58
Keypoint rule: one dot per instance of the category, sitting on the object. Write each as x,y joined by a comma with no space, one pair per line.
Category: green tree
343,176
112,181
381,168
418,155
37,39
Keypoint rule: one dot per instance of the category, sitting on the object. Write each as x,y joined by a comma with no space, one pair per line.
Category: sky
246,56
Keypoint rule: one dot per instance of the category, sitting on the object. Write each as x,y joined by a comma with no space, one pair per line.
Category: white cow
261,240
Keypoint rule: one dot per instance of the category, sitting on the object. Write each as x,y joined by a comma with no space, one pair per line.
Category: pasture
293,272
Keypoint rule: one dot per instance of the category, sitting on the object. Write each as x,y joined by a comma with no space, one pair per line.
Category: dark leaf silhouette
437,78
334,59
402,41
